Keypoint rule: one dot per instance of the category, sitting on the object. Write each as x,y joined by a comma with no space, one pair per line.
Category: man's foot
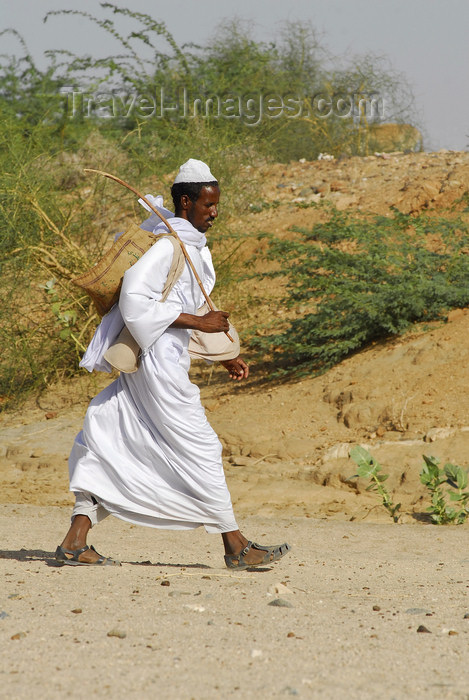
254,554
85,556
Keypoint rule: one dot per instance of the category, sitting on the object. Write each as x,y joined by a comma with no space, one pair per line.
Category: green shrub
351,281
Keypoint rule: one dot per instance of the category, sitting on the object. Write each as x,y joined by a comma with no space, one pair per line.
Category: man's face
204,211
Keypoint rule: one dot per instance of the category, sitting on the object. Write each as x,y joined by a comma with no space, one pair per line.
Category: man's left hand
237,368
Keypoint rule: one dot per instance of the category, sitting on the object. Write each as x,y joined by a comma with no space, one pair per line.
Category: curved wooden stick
170,229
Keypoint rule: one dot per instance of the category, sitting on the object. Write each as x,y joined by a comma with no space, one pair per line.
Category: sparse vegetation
432,476
369,468
351,281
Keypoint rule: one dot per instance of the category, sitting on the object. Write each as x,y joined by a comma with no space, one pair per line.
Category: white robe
147,452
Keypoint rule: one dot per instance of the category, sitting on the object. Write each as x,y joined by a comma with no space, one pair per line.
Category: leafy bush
351,281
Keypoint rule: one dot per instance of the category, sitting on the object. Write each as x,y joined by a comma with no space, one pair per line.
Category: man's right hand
214,322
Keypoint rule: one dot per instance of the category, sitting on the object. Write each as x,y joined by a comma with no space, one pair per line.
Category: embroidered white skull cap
194,171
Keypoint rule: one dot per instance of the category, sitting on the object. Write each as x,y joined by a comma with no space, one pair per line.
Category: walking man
147,453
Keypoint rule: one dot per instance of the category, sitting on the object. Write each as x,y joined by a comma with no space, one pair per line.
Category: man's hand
237,368
214,322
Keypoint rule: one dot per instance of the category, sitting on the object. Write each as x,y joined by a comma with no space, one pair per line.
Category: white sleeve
144,314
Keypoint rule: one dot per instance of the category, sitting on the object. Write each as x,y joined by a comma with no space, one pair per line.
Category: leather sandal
274,553
70,557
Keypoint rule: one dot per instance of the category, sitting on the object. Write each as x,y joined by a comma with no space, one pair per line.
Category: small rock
280,603
239,461
339,451
11,451
50,414
324,189
38,452
19,635
316,184
256,653
195,608
77,611
422,628
291,634
178,594
165,583
376,608
3,615
117,633
337,186
466,616
343,201
438,434
279,588
451,633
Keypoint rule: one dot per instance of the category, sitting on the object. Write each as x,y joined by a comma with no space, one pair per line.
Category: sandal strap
75,552
272,553
101,558
246,549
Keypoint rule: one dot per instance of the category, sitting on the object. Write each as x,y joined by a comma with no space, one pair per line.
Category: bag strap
178,264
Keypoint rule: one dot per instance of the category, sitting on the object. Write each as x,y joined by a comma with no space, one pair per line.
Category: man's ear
185,201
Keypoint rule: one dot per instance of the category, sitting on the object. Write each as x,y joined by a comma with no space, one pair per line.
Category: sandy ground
353,597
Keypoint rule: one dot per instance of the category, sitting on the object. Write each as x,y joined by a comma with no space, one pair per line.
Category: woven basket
103,281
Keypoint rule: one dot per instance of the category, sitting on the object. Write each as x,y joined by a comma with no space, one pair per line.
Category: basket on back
103,281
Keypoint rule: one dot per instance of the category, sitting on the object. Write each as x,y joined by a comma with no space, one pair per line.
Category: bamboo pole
170,229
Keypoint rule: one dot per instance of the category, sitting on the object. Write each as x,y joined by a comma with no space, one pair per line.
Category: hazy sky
424,39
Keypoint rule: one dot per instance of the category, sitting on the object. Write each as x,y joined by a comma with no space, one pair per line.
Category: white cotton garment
147,452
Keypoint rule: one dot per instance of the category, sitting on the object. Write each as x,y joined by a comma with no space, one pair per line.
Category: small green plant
369,468
433,477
